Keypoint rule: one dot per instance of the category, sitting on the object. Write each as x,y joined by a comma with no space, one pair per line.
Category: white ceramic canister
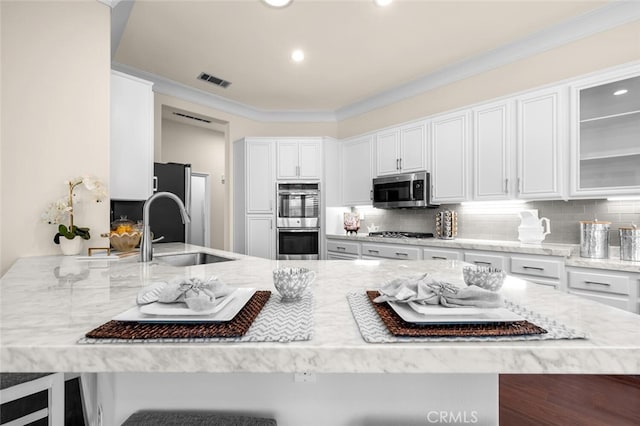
629,243
594,239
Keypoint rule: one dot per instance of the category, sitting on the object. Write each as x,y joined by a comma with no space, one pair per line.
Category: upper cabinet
299,159
493,144
402,149
260,190
449,150
131,174
357,176
605,142
541,140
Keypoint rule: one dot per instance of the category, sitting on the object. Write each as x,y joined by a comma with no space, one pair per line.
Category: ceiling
354,50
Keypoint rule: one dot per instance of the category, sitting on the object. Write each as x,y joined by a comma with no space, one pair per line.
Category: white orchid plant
58,212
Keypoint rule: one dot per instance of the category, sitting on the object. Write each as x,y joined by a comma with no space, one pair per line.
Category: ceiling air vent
214,80
192,117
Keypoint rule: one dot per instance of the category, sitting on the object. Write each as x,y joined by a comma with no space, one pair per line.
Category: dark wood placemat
237,327
398,327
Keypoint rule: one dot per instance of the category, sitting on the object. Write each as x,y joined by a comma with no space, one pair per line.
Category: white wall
204,149
55,117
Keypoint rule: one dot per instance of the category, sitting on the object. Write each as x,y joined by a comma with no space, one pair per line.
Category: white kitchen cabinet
437,253
541,142
605,147
254,194
260,237
131,145
356,170
299,159
389,251
617,289
487,260
545,270
449,162
401,149
493,144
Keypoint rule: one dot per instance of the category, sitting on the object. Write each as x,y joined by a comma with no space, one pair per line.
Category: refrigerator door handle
155,184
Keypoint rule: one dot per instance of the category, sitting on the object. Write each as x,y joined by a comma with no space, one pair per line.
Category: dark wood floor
569,400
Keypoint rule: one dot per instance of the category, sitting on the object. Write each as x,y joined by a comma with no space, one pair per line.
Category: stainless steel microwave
408,190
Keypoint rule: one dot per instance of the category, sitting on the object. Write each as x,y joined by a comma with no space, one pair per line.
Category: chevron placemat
373,329
278,321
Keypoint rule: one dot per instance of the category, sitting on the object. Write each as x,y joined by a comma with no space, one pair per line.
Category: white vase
70,247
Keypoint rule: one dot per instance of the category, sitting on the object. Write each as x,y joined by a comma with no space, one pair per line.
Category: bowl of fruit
125,235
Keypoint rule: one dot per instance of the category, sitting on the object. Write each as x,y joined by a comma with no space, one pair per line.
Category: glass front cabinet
605,139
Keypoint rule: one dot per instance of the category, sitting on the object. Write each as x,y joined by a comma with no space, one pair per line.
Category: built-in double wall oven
298,220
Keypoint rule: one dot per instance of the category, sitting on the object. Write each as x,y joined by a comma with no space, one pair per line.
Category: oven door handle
298,229
298,192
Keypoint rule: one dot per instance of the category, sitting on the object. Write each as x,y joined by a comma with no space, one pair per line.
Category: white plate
438,314
178,312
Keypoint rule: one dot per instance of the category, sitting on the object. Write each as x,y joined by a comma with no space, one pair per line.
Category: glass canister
594,239
447,224
629,243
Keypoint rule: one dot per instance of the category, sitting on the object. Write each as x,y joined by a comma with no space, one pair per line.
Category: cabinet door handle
477,262
439,257
340,248
400,168
519,186
371,194
270,223
399,253
397,164
373,251
506,186
537,268
298,171
597,283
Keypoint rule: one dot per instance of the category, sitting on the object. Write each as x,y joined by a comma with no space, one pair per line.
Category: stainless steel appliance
298,220
409,190
165,214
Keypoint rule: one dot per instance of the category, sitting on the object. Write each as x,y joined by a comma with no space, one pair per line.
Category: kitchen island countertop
48,303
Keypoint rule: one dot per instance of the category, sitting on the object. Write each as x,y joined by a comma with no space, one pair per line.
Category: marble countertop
48,303
569,251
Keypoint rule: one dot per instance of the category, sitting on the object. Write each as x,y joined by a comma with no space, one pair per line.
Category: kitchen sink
190,259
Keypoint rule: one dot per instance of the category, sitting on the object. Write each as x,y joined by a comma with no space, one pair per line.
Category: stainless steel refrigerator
165,216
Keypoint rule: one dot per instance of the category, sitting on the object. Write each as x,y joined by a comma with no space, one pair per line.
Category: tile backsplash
563,215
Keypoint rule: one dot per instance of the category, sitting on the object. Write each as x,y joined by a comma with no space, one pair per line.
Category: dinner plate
438,314
157,312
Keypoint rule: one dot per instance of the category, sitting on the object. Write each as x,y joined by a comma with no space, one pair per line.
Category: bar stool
14,386
194,418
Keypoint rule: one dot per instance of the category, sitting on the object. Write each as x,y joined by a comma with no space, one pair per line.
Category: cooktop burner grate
399,234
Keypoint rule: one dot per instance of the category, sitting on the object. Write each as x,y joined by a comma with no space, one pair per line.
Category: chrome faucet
146,246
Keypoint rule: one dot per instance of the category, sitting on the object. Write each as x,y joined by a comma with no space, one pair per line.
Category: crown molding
604,18
601,19
173,88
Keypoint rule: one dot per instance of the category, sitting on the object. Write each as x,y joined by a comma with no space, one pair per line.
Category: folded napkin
199,295
424,290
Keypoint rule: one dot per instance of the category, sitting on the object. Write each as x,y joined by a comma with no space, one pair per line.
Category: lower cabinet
340,250
389,251
260,236
617,289
545,270
436,253
487,260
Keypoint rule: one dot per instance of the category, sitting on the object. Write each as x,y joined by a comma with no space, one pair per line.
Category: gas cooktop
398,234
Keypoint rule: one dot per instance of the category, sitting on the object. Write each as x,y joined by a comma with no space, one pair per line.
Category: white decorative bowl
292,282
484,277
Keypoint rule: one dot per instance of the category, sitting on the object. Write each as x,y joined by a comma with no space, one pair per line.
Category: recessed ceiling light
620,92
297,55
382,2
277,3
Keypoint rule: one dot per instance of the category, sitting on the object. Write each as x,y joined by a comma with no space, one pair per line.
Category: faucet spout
146,246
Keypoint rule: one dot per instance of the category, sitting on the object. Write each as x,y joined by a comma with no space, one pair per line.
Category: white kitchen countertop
48,303
569,251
